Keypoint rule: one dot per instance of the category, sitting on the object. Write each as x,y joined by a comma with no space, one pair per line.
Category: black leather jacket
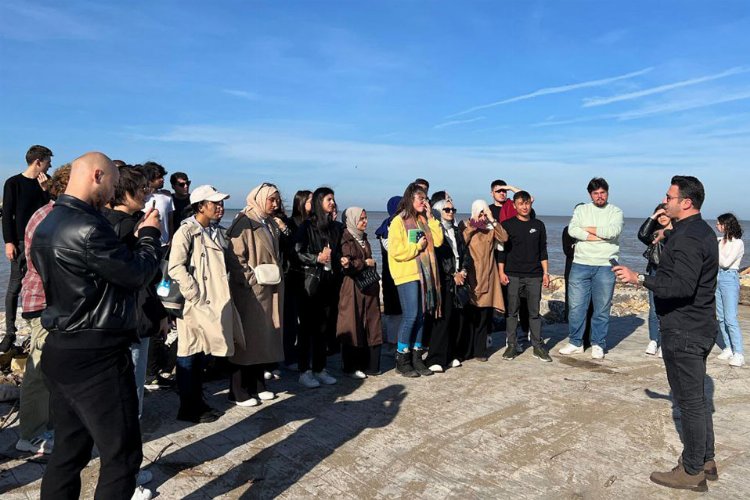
90,278
446,260
646,234
310,241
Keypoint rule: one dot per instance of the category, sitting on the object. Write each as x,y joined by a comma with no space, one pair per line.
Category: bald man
90,280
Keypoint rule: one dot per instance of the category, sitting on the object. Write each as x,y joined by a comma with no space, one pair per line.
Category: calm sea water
631,250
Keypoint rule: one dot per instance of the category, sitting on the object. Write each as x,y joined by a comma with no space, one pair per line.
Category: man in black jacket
90,280
684,294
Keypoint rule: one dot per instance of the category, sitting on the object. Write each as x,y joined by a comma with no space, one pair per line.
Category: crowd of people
93,247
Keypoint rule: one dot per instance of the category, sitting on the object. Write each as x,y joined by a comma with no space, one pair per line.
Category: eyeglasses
670,198
449,210
182,184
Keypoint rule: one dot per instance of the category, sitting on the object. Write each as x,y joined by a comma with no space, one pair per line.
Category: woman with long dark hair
651,234
302,206
413,236
731,250
317,250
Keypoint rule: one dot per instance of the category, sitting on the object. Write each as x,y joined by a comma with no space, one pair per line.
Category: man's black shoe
541,353
200,417
510,353
158,382
7,343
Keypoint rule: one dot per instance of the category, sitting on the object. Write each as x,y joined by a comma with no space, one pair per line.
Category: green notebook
414,235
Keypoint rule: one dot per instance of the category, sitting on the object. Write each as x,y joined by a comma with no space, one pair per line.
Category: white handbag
267,274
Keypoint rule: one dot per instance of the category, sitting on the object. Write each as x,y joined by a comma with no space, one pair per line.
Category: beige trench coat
210,323
484,278
260,306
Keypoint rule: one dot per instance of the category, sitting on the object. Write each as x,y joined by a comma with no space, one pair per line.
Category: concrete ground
574,428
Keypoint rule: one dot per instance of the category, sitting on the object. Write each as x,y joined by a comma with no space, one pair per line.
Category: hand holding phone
613,262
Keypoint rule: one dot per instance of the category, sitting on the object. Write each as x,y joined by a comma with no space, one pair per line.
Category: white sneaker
571,349
141,493
659,353
248,402
455,363
652,348
358,374
597,352
266,396
267,375
737,360
436,369
725,354
308,380
144,477
38,445
324,378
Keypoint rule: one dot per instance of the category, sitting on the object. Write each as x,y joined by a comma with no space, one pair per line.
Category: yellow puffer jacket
402,255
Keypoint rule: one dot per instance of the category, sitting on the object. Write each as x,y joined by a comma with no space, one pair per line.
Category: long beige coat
260,306
483,277
210,323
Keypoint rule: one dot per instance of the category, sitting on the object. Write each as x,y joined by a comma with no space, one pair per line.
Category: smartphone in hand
613,262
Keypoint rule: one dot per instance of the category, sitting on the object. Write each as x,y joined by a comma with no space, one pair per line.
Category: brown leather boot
709,469
680,479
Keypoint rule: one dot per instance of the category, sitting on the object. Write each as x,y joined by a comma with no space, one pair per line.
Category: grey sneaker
510,353
541,353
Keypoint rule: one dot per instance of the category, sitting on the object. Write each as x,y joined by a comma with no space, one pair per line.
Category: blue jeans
595,284
653,319
412,318
727,298
139,353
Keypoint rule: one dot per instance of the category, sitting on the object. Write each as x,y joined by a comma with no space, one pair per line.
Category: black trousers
531,289
17,272
161,357
312,339
365,358
246,381
480,327
685,356
94,401
447,332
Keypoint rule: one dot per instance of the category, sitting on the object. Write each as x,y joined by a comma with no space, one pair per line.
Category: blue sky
366,96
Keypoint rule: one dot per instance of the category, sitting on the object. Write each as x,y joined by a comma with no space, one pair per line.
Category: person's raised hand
42,180
345,262
422,242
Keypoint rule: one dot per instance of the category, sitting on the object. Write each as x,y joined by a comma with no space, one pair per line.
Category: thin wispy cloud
453,123
244,94
26,22
555,90
600,101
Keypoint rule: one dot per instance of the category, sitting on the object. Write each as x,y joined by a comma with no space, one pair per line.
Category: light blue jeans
595,284
139,352
412,318
653,319
727,298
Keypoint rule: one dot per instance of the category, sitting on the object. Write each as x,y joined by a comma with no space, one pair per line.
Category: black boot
419,364
403,365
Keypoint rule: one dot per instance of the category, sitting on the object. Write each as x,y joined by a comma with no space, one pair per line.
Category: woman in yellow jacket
413,236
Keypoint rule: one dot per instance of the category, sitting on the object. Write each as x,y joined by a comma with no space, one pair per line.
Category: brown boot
709,469
680,479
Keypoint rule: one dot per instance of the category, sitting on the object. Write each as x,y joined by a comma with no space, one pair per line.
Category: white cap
206,193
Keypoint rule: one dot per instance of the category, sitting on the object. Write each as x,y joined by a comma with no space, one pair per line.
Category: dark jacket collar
687,220
66,200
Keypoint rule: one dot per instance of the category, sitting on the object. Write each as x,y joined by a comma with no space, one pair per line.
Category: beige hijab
256,200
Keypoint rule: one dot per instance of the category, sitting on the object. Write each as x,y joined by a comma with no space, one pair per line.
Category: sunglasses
501,190
449,210
182,184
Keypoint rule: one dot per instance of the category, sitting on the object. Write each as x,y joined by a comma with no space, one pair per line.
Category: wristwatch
641,279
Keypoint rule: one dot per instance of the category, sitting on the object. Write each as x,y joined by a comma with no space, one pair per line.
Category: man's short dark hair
497,182
690,188
152,170
597,183
37,152
422,182
522,195
131,181
177,176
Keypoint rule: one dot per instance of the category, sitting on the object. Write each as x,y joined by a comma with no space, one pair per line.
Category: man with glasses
684,295
180,196
596,227
23,194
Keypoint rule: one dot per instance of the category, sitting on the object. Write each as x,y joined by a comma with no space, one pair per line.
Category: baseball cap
206,193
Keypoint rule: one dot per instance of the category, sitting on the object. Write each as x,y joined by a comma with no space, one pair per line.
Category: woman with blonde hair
257,288
482,233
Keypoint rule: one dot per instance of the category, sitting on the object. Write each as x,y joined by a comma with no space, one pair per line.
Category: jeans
34,411
653,319
531,288
727,298
190,382
685,354
94,403
139,353
595,284
17,272
412,318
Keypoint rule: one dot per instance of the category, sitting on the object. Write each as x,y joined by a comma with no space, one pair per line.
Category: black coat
446,260
646,234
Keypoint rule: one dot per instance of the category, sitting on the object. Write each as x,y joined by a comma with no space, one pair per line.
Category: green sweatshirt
608,221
